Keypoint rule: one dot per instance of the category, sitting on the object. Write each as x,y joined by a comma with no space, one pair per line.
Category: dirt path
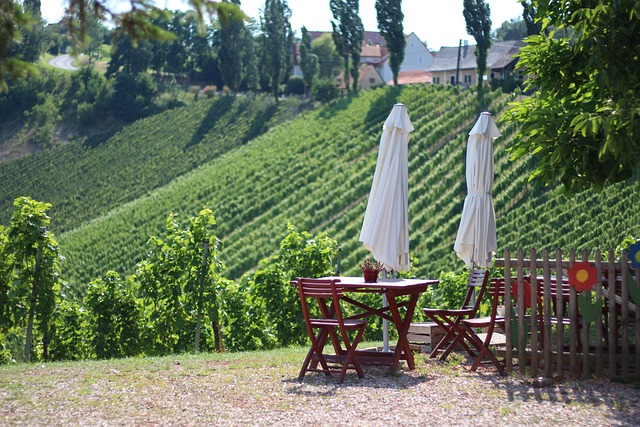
63,61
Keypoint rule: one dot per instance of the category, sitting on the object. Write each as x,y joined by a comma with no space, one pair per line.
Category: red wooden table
395,290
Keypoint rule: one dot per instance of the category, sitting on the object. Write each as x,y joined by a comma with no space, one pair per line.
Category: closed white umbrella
385,229
476,240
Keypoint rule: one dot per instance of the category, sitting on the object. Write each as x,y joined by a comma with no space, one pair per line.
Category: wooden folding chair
470,326
449,320
331,320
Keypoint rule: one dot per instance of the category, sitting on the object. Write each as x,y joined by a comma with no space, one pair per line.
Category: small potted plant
370,270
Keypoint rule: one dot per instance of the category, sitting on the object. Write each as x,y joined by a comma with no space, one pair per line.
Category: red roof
412,77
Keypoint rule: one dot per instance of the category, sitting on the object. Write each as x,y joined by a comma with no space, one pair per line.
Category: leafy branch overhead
582,122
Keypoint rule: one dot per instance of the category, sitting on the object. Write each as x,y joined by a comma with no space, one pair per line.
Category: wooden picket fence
554,340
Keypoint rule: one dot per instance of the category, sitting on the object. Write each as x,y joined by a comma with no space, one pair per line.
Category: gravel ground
265,392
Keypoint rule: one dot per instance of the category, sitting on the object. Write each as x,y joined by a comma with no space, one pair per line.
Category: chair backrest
323,290
496,292
476,288
526,300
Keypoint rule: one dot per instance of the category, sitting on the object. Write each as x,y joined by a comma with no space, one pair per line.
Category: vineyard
314,172
89,177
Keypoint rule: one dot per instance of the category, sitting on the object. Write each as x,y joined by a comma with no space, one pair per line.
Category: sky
436,22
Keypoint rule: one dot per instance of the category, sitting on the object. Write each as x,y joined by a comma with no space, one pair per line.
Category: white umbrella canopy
476,240
385,229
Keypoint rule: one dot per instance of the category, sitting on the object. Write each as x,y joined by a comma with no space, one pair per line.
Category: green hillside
89,177
316,172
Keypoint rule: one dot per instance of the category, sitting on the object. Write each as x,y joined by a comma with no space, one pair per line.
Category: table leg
403,328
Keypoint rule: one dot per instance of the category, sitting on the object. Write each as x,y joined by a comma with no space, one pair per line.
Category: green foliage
277,40
389,15
513,29
42,120
85,101
133,96
301,255
32,277
451,290
243,318
70,340
12,20
113,317
295,86
177,282
230,55
581,124
309,62
325,90
328,58
477,18
348,34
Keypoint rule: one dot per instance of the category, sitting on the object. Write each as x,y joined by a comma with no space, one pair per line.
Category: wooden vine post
203,276
32,305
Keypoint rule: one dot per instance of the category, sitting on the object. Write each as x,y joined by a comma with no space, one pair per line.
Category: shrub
295,86
324,90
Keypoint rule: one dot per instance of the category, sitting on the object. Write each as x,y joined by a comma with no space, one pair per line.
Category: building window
467,79
371,80
420,60
436,80
411,45
452,79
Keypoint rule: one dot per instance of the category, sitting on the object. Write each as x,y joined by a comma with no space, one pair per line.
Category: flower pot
370,276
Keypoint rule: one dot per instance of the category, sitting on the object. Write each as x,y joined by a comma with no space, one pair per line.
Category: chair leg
440,346
482,349
315,350
351,357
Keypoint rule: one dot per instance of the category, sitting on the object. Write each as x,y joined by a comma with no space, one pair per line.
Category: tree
133,95
230,57
129,57
32,44
477,17
308,60
513,29
278,40
348,34
329,60
582,123
249,61
529,14
390,16
35,272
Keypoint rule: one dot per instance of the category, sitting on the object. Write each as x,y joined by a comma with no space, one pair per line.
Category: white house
416,57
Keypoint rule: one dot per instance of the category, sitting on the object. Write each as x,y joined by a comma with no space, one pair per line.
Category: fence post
573,316
533,300
546,290
599,335
612,332
508,311
585,330
625,314
559,312
522,355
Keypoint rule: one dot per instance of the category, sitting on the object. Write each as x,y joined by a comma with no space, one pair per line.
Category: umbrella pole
385,322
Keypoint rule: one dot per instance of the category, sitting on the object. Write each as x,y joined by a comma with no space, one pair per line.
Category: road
63,61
